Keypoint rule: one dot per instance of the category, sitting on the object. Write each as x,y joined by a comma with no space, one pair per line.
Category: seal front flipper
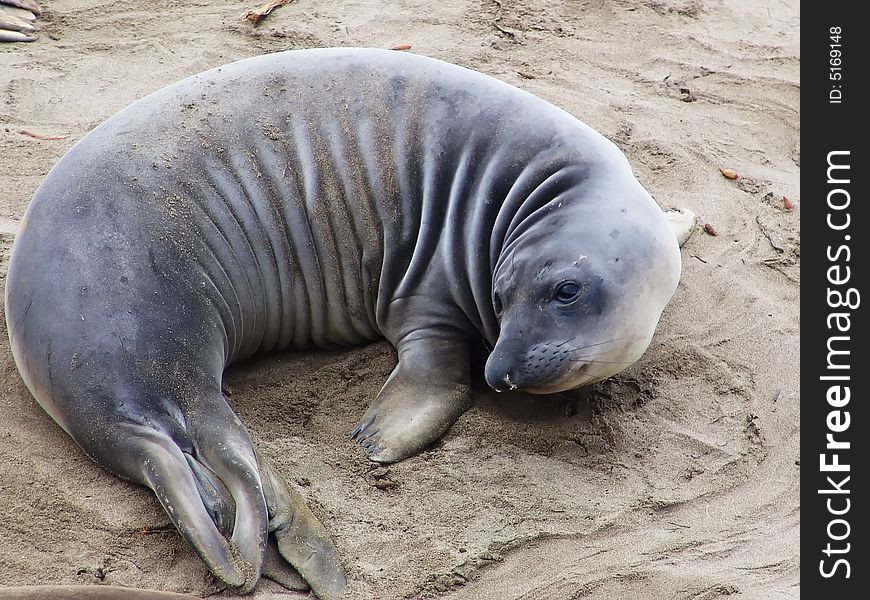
682,222
302,540
425,394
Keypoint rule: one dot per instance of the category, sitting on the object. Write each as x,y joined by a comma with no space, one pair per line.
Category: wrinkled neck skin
449,279
608,239
550,208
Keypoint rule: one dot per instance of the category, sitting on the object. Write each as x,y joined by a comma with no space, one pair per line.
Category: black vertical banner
835,227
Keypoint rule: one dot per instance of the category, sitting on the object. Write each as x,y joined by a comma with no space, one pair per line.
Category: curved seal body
321,198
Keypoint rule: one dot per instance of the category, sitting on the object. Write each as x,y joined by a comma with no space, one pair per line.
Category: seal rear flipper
302,540
276,568
16,36
222,445
216,498
165,469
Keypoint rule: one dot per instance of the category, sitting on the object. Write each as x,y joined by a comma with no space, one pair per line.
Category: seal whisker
610,341
603,362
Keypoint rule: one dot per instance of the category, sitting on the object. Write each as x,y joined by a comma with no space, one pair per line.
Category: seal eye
496,303
567,292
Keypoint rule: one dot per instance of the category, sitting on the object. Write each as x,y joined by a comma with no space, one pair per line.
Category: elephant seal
317,199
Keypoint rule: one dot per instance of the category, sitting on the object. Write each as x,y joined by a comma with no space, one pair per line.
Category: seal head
579,289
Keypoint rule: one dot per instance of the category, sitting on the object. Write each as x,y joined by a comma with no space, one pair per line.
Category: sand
676,479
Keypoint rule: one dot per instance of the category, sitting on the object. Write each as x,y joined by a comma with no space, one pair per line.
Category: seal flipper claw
301,539
425,394
368,436
361,426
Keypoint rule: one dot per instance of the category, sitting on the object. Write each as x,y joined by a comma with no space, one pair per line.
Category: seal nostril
500,375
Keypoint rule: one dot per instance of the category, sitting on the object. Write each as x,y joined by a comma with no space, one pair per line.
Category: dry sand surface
676,479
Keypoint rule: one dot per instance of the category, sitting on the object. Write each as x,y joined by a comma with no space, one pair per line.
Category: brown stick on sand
43,136
258,14
30,5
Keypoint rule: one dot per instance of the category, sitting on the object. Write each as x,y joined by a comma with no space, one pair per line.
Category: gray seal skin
317,199
86,592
